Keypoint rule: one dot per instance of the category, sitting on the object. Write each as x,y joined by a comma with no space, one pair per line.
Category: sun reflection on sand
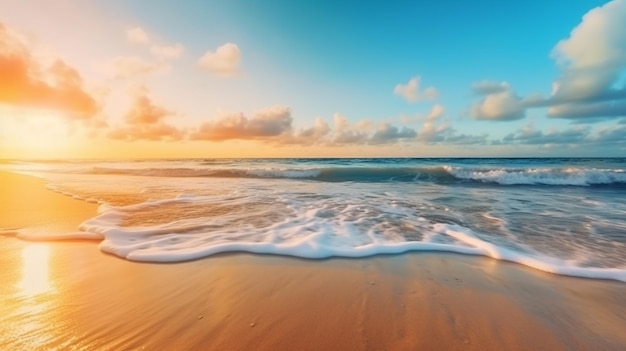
29,313
35,271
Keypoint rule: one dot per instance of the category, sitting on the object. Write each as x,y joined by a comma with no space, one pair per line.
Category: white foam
310,233
545,264
540,176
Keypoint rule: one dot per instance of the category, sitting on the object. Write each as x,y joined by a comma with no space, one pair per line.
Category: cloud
346,133
436,131
578,135
386,133
308,136
590,110
411,91
435,113
500,104
465,139
529,135
132,66
431,131
27,83
267,123
610,134
364,132
145,121
223,62
487,87
168,52
137,35
274,125
591,59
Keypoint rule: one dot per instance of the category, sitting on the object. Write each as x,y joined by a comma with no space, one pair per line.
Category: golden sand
68,295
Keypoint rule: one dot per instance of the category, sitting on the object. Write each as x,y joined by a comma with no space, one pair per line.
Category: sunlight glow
35,271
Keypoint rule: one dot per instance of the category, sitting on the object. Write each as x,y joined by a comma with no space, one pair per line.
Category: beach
68,295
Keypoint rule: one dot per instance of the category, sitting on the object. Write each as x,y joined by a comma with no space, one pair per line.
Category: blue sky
321,78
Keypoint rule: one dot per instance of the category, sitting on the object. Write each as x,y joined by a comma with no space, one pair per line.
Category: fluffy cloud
270,122
591,61
145,121
432,131
308,136
411,91
365,132
500,104
274,125
346,133
592,58
27,83
436,131
223,62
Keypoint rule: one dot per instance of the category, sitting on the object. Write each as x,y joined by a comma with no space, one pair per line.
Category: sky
244,78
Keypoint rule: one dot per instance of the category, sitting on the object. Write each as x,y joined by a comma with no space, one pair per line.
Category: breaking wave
442,174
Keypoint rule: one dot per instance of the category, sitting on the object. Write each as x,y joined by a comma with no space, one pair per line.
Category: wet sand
68,295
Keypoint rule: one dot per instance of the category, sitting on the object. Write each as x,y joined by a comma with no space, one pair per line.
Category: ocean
561,215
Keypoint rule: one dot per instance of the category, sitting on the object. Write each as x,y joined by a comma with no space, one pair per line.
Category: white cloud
598,40
501,105
266,123
411,91
345,133
592,58
223,62
431,131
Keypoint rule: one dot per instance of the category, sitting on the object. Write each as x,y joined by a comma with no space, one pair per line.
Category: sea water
565,216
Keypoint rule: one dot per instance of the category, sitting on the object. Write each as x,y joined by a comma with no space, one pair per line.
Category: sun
34,133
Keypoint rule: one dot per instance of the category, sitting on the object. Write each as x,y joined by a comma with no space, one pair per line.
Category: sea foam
564,216
309,232
540,176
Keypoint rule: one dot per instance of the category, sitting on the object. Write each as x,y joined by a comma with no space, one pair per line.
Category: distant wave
540,176
444,174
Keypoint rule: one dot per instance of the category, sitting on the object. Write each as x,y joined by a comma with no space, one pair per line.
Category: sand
69,296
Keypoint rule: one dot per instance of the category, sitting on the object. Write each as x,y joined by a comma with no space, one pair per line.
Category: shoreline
90,300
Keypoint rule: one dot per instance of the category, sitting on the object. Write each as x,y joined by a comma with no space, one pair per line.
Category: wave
570,176
540,176
308,235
